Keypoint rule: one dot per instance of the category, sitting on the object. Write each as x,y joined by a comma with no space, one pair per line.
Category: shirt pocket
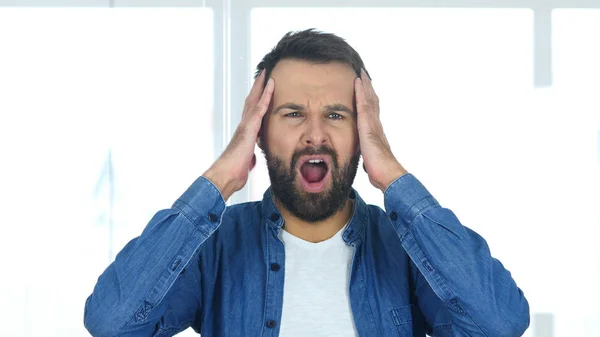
402,317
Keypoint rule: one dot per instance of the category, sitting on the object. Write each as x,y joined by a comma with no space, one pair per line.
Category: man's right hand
230,172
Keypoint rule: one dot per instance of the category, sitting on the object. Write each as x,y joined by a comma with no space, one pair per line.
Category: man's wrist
220,181
395,173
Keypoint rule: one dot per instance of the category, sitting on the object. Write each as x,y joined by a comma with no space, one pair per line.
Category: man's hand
230,172
379,161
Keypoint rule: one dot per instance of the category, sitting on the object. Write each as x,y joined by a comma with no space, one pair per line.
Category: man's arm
479,296
133,296
133,293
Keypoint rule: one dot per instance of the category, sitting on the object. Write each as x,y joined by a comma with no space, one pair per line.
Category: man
311,258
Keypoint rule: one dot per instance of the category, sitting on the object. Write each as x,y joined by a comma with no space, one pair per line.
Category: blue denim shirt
220,270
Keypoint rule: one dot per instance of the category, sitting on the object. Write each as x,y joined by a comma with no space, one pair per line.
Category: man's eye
293,114
335,116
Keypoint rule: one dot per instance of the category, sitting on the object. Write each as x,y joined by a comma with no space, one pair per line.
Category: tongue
313,172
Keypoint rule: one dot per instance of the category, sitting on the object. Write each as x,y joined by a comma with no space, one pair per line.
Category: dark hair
314,46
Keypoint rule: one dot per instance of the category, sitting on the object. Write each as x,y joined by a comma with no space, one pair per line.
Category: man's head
309,135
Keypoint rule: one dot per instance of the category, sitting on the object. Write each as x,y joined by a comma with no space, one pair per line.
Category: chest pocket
402,319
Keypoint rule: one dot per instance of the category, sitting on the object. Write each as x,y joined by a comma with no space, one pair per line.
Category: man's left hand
379,161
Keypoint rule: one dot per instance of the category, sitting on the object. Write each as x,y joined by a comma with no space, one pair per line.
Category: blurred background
110,109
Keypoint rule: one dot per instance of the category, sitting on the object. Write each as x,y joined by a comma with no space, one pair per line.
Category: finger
265,100
369,91
256,90
371,96
361,98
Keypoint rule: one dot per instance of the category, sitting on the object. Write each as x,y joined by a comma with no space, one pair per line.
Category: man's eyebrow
338,108
291,106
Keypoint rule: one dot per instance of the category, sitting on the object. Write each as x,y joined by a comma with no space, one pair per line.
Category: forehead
300,80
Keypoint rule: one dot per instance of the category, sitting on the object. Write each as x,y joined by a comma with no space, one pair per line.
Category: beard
311,207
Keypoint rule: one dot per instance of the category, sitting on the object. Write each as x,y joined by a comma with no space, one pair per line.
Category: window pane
575,52
77,85
576,47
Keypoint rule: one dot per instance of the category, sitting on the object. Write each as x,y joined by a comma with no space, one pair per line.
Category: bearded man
312,258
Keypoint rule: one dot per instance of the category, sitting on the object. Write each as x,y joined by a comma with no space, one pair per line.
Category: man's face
310,139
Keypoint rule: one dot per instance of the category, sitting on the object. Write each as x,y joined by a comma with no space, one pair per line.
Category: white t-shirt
315,293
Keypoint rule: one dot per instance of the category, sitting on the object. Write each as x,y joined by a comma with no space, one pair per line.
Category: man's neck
315,231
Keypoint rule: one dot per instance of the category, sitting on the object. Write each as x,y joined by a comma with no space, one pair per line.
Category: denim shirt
220,270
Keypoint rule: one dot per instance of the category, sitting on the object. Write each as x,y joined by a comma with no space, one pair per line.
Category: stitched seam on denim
267,213
187,262
129,321
398,318
420,211
416,251
395,318
443,327
475,323
215,189
442,225
175,330
439,282
364,280
360,223
147,295
363,226
262,330
196,225
397,179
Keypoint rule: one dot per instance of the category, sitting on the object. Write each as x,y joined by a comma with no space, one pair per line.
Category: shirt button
274,217
212,217
175,264
275,266
394,216
271,324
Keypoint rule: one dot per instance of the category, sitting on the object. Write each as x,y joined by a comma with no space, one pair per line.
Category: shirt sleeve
136,293
479,296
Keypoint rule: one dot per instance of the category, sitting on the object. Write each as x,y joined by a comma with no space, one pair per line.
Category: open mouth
314,172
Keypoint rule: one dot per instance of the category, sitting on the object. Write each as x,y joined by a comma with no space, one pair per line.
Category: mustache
312,151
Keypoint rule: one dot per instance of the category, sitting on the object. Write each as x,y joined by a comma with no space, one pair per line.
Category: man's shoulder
238,236
378,221
374,212
246,214
244,209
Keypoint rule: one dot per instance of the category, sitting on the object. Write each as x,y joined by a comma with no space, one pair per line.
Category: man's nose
315,134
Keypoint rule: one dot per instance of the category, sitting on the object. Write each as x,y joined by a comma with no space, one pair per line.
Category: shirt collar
353,231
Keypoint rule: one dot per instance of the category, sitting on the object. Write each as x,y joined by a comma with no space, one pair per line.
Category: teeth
315,161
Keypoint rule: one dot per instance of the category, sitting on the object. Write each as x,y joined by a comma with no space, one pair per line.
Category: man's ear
259,140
